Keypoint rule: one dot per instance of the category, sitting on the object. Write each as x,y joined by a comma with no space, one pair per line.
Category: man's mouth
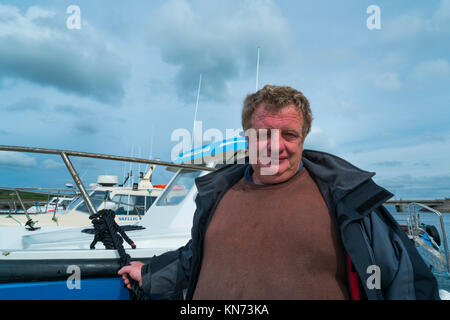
279,159
272,162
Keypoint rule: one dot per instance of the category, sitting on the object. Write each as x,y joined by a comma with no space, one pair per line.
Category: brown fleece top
272,242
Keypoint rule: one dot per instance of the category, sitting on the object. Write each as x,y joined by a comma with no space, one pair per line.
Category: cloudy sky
128,77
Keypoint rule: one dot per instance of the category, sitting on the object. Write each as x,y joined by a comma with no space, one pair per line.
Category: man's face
289,123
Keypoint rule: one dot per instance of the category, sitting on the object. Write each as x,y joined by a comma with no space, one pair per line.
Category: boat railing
65,154
415,228
13,208
16,198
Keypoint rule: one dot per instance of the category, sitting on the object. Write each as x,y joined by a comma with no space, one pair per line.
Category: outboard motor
433,232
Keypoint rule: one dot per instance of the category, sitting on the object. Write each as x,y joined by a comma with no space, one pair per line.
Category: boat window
144,202
179,188
149,201
97,198
124,203
131,205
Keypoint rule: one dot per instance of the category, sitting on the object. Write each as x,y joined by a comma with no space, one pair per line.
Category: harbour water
432,219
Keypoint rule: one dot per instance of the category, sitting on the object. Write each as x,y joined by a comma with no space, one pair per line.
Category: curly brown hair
276,98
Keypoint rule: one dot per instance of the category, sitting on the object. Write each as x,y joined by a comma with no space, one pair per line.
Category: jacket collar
341,176
349,191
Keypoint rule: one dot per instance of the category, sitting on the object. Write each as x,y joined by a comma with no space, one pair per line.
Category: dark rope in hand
111,235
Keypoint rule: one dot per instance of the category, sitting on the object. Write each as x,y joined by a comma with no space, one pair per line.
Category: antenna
257,70
124,169
196,108
139,155
151,144
132,152
151,148
132,181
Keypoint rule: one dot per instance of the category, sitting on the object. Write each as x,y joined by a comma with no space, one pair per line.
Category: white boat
130,204
40,264
36,264
58,200
56,204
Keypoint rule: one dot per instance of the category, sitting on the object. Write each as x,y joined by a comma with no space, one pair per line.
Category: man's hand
134,271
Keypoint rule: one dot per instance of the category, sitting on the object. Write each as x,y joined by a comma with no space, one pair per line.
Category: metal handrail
65,157
38,190
441,222
104,156
11,202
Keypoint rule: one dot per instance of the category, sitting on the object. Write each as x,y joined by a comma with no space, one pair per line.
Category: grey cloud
66,109
357,150
396,140
86,164
85,120
421,164
157,86
12,159
437,69
441,17
86,127
387,81
26,104
52,164
417,187
318,139
432,137
37,46
415,24
405,26
219,40
71,110
387,164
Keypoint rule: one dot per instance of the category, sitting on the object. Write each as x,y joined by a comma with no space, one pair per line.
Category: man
307,225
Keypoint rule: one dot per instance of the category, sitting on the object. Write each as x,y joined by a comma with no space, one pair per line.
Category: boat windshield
78,203
97,198
132,204
75,202
179,188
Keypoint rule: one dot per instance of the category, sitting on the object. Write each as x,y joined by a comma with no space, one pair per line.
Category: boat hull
90,289
62,279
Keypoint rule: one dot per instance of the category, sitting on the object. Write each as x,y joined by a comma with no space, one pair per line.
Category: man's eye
289,135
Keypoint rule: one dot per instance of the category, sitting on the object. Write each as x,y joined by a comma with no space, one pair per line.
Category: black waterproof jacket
372,239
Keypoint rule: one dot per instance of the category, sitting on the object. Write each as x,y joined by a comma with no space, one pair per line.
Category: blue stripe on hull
90,289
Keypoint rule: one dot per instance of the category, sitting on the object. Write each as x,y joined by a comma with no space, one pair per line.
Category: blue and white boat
56,263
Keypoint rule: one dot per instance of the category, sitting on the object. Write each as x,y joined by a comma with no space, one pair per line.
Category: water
432,219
